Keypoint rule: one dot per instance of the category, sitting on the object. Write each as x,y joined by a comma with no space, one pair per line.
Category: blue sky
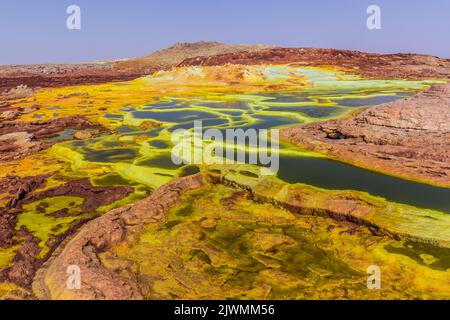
35,31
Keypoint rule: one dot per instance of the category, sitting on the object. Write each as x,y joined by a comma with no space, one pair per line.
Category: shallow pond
137,148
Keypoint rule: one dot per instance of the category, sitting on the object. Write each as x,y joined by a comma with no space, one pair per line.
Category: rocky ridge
126,223
409,138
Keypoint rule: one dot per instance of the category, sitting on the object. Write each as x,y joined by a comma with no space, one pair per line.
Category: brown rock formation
22,191
177,53
19,139
214,53
127,223
100,234
59,75
409,138
19,92
401,66
17,189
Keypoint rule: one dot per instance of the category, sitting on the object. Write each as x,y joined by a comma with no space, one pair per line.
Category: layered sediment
21,138
97,236
59,75
409,138
52,201
35,220
379,66
221,235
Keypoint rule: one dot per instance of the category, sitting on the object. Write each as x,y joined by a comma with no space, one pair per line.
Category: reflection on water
163,160
312,111
150,149
361,102
171,116
331,174
110,155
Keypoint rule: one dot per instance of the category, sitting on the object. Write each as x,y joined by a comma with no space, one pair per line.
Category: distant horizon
35,32
274,46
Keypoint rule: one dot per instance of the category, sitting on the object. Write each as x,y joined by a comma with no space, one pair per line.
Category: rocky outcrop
409,138
20,92
59,75
21,138
17,189
97,236
385,218
125,224
23,191
177,53
79,77
380,66
82,135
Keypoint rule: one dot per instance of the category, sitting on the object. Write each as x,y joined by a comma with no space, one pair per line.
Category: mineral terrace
86,176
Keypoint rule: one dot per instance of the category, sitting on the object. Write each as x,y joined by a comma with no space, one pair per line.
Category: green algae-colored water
224,249
218,244
331,174
139,155
142,153
258,111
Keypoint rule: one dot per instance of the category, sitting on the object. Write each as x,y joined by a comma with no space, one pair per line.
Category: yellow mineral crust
200,237
234,75
233,96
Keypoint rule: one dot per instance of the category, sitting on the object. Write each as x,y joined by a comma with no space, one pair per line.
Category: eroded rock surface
43,211
381,66
59,75
100,234
34,246
398,66
21,138
409,138
210,236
